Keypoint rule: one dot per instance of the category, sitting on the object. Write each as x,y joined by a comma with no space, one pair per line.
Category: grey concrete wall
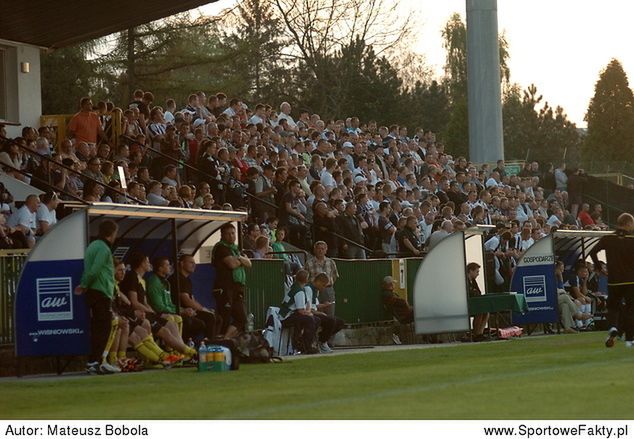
486,143
24,94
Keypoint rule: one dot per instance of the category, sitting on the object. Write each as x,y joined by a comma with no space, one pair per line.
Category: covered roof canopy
53,24
148,228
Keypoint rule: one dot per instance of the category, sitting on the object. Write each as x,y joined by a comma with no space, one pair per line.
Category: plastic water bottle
250,322
209,359
202,357
191,343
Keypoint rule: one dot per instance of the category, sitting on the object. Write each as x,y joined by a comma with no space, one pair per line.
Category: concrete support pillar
486,143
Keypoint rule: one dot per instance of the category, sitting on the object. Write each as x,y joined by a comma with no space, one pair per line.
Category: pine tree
610,117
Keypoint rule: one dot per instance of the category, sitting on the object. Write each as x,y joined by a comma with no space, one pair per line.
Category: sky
561,46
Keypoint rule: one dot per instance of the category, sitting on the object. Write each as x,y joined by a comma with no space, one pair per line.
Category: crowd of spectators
362,188
354,188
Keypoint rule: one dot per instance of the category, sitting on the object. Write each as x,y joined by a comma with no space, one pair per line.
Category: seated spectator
577,285
46,215
155,194
329,325
252,233
196,318
94,170
262,248
296,312
170,176
134,287
479,320
139,330
568,309
11,238
445,230
25,219
398,307
159,293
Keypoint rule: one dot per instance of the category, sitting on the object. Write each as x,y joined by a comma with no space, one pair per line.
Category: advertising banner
534,277
49,318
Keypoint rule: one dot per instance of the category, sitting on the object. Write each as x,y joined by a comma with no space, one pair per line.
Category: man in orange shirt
85,126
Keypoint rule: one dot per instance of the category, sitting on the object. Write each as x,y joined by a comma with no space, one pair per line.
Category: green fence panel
358,289
264,288
413,264
10,268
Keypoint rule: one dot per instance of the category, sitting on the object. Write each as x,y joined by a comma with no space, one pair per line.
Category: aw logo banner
534,277
534,288
50,319
54,299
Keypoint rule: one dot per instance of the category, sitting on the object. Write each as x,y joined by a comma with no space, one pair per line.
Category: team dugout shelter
50,320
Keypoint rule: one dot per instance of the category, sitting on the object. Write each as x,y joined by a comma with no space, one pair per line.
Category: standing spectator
320,263
561,178
98,284
292,211
350,227
409,241
85,125
229,291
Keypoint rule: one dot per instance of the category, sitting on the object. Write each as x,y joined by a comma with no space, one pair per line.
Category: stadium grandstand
310,195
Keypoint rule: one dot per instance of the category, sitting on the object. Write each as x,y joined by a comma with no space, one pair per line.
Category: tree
171,57
255,40
610,116
536,131
318,29
426,105
69,69
360,83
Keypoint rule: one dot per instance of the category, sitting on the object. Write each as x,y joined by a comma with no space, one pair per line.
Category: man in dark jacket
350,227
619,251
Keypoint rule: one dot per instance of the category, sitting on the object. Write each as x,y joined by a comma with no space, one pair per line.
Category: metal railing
11,263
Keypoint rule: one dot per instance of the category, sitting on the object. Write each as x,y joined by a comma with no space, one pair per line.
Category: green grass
557,377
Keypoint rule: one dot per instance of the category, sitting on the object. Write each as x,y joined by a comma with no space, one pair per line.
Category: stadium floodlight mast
486,143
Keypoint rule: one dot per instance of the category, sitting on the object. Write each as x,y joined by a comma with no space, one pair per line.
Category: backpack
254,348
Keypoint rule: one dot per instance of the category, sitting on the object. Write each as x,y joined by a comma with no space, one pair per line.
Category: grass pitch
555,377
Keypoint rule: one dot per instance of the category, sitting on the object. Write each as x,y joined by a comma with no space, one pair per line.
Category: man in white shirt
234,107
494,180
446,229
25,220
285,113
347,149
46,215
326,176
258,116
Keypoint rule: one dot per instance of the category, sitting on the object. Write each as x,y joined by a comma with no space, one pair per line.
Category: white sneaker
107,368
92,368
396,339
629,344
324,348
